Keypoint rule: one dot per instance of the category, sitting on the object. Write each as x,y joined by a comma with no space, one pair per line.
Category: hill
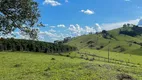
127,39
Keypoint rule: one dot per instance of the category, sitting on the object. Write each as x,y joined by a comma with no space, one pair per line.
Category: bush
52,58
124,77
17,65
68,55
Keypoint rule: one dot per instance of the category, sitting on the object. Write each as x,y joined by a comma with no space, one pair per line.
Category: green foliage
131,31
33,46
18,14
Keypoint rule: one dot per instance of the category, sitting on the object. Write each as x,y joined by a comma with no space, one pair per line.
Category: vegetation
131,31
90,61
99,56
127,39
18,14
12,44
33,66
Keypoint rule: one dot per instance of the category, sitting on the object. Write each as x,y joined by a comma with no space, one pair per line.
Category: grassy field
114,55
38,66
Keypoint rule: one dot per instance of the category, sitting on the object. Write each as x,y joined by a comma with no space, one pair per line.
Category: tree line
11,44
131,30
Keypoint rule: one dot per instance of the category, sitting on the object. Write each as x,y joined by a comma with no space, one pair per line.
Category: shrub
17,65
124,77
68,55
52,58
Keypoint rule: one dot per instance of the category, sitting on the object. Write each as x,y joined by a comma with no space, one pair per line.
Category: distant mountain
127,39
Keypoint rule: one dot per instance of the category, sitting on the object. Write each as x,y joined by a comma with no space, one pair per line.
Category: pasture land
39,66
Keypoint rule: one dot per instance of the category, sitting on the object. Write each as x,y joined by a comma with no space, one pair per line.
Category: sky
71,18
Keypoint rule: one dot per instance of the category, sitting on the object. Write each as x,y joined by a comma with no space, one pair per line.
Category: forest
11,44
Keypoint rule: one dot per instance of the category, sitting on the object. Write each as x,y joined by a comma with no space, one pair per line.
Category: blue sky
77,17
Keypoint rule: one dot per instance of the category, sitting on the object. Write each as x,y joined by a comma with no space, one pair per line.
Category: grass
114,55
38,66
125,42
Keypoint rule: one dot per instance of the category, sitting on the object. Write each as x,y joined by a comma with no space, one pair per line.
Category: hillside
127,39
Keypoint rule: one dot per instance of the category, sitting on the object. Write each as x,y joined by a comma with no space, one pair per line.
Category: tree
18,14
104,33
124,26
32,34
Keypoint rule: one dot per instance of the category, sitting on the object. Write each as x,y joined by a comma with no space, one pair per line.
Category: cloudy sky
64,18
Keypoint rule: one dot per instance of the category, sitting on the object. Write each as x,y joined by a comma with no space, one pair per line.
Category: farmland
70,40
39,66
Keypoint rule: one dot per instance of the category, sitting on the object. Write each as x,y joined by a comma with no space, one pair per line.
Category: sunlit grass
39,66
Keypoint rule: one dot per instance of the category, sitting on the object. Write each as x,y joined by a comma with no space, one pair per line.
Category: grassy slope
34,66
113,55
118,40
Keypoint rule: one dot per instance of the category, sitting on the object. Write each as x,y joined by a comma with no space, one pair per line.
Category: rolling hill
127,39
91,62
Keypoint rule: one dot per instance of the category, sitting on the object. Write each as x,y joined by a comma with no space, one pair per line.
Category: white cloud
51,30
47,36
76,30
51,36
7,36
18,35
89,29
98,27
52,2
110,26
61,26
89,12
